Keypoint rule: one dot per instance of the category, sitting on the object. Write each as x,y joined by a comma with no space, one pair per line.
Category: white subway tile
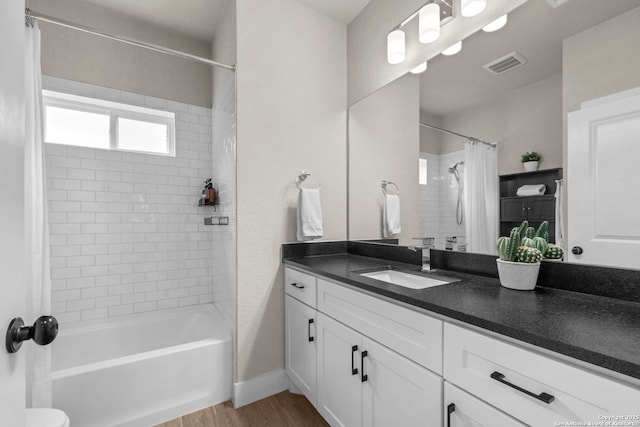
97,313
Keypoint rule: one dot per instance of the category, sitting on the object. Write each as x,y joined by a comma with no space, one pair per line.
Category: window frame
115,111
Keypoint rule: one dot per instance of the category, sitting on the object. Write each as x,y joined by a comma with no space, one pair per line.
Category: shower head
454,168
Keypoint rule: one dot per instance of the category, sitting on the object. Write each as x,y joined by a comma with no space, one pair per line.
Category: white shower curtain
36,223
481,197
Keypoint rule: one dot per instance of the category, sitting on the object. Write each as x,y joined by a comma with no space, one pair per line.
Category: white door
463,410
339,386
300,346
604,183
397,391
12,294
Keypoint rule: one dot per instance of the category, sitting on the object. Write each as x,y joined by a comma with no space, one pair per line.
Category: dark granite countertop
595,329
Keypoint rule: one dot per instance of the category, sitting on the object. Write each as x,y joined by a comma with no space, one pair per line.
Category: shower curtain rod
29,14
470,138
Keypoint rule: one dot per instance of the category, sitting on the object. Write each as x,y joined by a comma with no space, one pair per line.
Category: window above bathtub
96,123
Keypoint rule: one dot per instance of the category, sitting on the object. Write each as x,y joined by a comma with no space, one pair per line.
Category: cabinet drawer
414,335
491,369
301,286
463,410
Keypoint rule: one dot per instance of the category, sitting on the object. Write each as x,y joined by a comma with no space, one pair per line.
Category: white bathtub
142,370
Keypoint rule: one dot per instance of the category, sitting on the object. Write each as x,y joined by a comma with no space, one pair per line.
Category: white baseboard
245,392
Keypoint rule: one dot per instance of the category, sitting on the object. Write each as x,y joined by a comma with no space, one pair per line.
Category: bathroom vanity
466,353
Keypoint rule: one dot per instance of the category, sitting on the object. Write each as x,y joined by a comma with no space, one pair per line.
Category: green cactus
553,252
528,254
525,241
543,231
530,232
503,244
540,244
512,246
522,228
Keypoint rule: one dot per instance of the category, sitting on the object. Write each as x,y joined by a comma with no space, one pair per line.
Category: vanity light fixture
495,25
395,47
421,68
429,23
453,49
432,15
469,8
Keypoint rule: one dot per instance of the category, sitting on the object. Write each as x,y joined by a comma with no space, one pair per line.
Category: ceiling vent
556,3
506,63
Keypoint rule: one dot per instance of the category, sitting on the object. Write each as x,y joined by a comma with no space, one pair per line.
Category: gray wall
526,119
86,58
291,115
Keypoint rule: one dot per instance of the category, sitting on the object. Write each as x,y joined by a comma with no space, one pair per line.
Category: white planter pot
518,275
530,166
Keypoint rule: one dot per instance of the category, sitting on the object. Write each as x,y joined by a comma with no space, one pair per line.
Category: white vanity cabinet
365,356
463,410
300,331
533,388
362,383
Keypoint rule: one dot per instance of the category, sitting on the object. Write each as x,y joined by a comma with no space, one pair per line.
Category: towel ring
384,184
302,176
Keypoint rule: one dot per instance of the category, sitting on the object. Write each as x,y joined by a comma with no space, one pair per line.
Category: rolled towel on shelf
531,190
391,215
309,218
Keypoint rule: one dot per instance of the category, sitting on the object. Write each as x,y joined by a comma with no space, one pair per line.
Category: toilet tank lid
46,417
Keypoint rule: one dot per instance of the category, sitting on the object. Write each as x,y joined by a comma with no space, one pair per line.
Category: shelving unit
535,209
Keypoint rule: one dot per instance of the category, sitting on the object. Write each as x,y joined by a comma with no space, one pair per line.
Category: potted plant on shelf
521,253
531,160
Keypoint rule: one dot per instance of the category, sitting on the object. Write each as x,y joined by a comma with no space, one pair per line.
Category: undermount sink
408,280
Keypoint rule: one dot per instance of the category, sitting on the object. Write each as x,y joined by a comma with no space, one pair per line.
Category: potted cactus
521,253
530,161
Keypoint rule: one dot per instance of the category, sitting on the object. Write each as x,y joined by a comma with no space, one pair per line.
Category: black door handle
450,409
363,376
309,330
544,397
43,332
354,370
295,285
577,250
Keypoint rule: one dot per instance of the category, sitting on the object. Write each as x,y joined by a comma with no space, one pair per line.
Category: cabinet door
512,209
397,391
541,209
300,346
339,388
463,410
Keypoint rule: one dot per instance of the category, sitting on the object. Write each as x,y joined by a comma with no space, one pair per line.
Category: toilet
46,417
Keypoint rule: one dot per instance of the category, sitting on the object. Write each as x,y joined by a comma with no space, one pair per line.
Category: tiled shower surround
127,234
439,197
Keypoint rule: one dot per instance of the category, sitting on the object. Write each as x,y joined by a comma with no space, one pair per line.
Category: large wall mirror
571,54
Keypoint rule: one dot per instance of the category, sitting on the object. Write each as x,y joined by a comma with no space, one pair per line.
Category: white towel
309,215
391,214
531,190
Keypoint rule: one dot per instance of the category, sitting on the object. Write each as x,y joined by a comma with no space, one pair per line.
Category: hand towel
391,215
309,221
531,190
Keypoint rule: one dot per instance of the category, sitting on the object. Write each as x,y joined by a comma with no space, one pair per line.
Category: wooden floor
281,410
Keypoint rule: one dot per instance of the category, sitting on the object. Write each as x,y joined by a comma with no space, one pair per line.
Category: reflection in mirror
569,54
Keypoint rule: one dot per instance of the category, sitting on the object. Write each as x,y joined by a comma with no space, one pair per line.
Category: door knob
43,332
576,250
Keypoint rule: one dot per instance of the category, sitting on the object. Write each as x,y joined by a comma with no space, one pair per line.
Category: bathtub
142,370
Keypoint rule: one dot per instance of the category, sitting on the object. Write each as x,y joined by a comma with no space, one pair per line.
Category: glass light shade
453,49
429,23
395,47
469,8
419,69
495,25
